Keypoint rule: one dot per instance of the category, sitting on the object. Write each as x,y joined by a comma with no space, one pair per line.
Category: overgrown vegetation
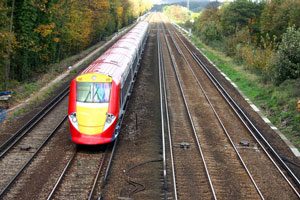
37,33
255,33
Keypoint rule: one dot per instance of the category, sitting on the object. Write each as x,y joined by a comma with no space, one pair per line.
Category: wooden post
298,106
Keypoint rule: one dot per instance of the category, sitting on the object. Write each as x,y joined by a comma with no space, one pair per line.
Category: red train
98,95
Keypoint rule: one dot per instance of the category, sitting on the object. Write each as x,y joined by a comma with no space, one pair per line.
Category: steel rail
164,104
174,65
118,129
67,167
58,181
248,123
102,162
100,168
105,178
8,185
10,142
223,127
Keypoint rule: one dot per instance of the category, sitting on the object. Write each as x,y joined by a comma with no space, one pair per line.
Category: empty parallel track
230,166
23,146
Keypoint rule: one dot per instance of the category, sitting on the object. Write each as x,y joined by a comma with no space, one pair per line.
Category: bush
207,26
210,32
257,59
287,64
235,41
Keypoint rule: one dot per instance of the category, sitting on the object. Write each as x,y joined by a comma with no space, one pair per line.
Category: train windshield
93,92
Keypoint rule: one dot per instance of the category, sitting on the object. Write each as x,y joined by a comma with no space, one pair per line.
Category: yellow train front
93,109
98,95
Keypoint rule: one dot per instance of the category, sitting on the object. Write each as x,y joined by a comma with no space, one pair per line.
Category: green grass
277,102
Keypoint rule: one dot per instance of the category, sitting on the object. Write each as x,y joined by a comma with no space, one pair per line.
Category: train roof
116,61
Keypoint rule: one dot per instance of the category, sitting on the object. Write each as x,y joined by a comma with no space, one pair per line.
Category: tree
277,15
208,25
7,41
239,14
287,65
46,31
178,13
26,57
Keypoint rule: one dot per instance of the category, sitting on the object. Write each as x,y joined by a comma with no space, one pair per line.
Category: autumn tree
178,13
46,31
100,19
278,15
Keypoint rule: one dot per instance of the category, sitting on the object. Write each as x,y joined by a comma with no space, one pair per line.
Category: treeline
194,6
36,33
177,13
263,34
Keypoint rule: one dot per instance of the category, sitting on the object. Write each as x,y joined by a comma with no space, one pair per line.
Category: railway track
208,152
20,149
231,168
244,117
84,175
13,139
136,172
186,167
194,152
254,132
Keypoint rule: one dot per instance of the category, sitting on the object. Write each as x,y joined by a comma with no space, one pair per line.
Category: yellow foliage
257,58
45,29
137,7
56,39
100,4
6,39
119,11
79,27
177,13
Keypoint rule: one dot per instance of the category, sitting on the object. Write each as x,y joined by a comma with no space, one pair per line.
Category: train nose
91,120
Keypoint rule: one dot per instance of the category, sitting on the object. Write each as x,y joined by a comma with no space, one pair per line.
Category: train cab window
93,92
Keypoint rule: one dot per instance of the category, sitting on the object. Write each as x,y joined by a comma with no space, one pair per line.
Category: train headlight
109,120
73,120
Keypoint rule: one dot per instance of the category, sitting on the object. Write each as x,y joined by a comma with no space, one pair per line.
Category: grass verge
278,103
